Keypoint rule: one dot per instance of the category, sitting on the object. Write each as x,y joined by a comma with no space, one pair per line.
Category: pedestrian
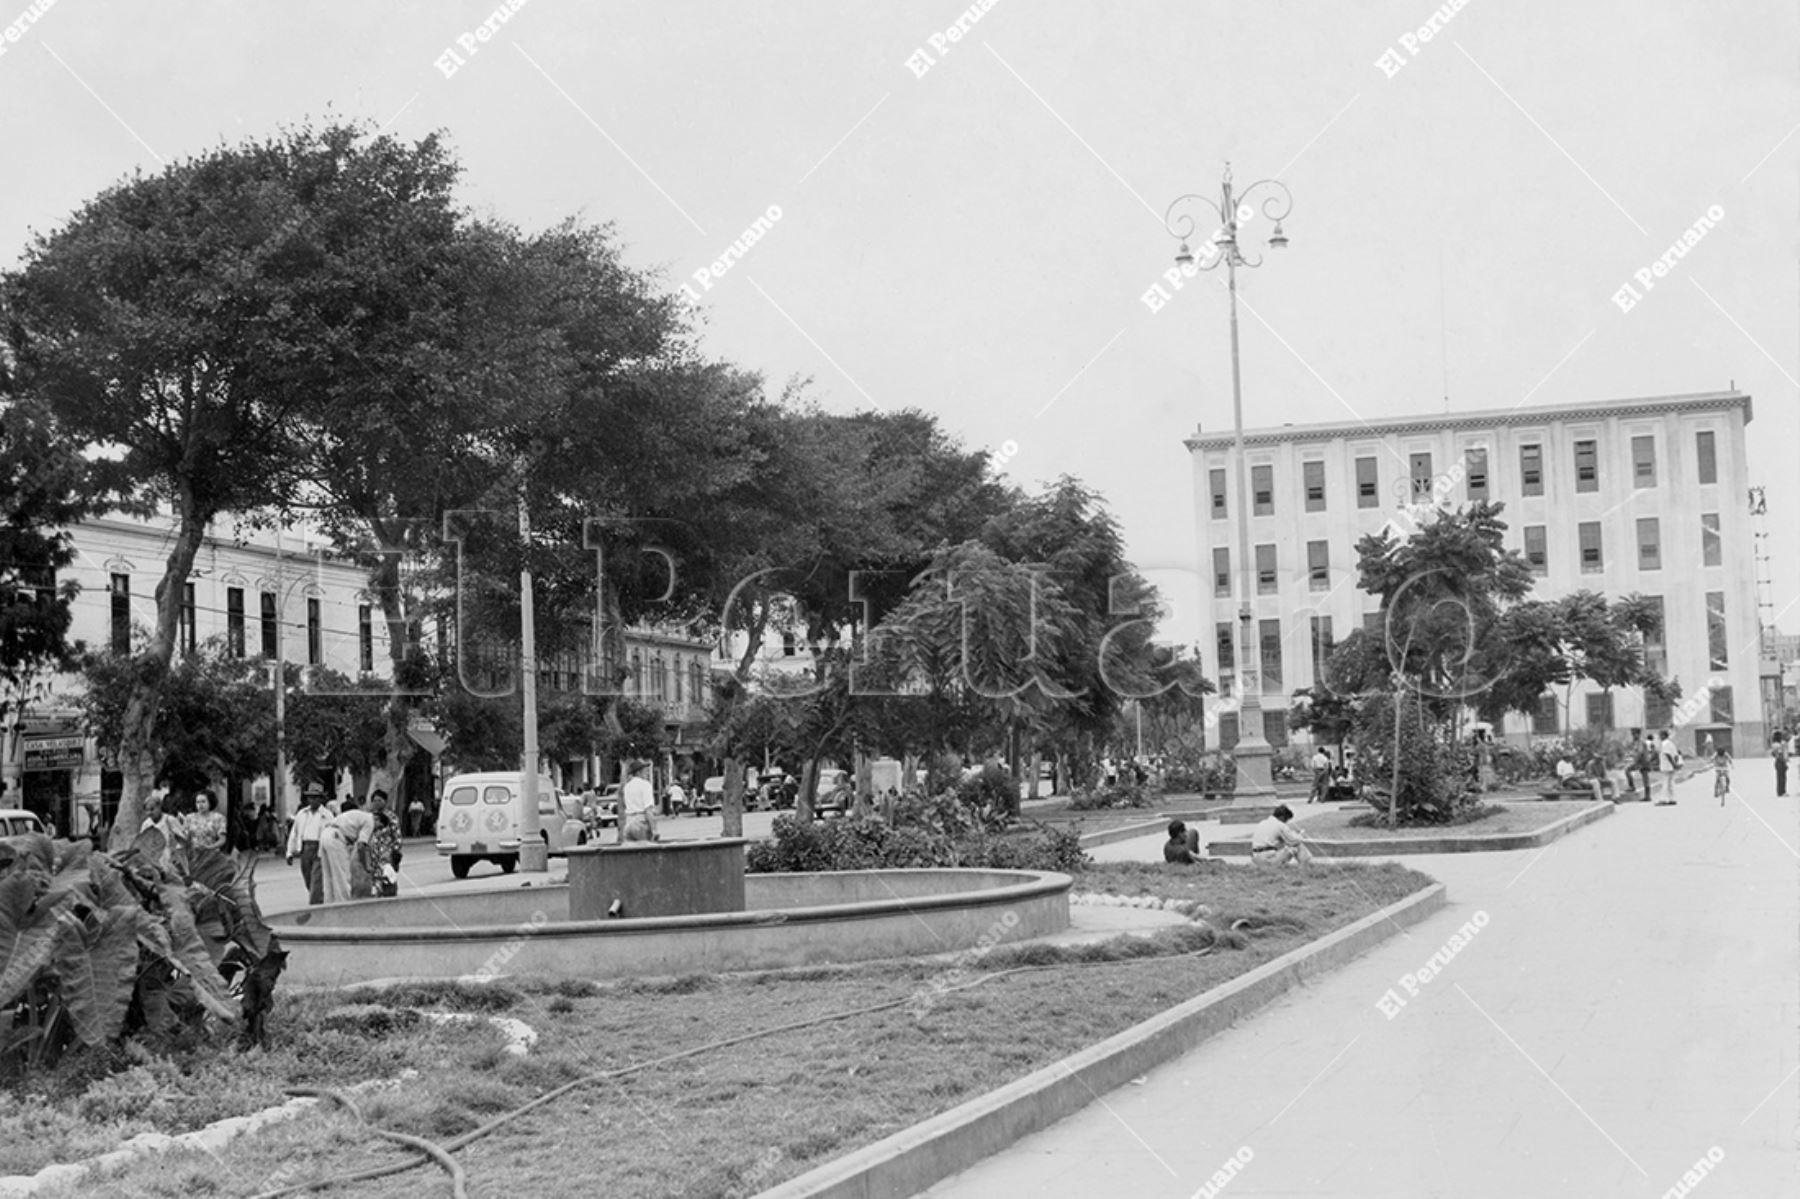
1321,768
303,841
1276,843
1668,760
638,815
674,799
415,816
268,840
164,824
1721,774
1183,845
1780,750
1637,765
344,853
206,827
384,846
1707,748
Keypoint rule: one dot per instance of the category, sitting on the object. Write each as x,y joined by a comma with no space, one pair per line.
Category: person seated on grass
1570,779
1183,845
1276,843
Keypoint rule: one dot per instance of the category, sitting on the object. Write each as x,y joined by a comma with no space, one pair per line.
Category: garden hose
441,1153
436,1152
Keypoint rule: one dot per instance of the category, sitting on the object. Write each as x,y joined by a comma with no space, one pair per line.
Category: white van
16,822
478,818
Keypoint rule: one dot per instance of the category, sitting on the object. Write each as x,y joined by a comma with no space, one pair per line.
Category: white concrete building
1618,496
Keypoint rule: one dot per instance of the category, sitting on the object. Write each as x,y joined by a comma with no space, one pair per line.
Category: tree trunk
732,811
137,757
809,778
397,743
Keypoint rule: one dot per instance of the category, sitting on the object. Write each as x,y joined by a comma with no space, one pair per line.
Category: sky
968,225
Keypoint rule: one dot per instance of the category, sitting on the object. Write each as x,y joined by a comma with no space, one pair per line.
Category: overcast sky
976,240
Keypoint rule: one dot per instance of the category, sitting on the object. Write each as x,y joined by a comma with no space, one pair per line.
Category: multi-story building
1617,496
260,595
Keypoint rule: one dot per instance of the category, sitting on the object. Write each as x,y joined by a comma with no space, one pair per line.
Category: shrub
1433,773
1121,795
992,793
873,845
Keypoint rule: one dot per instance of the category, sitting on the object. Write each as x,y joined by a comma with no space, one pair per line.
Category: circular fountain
670,908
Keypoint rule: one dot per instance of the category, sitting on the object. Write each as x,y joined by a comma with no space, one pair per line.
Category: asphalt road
423,872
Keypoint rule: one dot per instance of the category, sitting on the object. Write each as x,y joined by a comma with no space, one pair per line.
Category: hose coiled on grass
441,1152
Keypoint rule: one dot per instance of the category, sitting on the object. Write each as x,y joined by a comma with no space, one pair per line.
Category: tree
186,320
43,486
334,722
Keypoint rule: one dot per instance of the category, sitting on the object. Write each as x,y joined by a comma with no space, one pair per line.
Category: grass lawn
1504,818
730,1121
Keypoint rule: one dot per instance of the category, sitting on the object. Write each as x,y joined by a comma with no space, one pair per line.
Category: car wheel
459,865
507,864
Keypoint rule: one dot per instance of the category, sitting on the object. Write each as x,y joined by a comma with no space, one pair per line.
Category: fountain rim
1034,884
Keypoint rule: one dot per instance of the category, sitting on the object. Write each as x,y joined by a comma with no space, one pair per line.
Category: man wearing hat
303,839
637,820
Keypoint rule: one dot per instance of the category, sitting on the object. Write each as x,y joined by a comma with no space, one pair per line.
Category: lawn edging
1158,823
1381,847
916,1158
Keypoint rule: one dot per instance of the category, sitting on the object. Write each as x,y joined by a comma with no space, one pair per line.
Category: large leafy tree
187,321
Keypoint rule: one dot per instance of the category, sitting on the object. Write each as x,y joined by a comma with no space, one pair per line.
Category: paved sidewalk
1629,1003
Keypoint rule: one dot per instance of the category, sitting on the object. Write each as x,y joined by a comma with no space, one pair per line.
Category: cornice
1487,419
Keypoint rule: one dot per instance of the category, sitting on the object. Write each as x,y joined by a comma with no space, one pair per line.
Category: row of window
655,682
1475,474
1593,559
187,627
1269,636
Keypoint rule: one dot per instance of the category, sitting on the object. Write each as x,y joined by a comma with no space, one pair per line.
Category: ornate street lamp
1271,200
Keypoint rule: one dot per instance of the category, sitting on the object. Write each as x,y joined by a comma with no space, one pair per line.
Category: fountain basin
790,920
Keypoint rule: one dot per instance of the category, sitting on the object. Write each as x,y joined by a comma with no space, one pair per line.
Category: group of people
352,853
1274,842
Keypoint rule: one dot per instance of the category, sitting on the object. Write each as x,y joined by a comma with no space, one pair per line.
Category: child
1721,774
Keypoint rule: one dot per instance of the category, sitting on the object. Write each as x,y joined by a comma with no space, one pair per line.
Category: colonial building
1618,496
259,595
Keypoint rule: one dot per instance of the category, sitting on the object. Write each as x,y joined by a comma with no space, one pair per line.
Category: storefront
51,755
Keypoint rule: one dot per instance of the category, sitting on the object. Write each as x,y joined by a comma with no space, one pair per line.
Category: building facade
259,596
1619,496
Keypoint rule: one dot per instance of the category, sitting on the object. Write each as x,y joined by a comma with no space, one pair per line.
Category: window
659,678
1656,652
1262,485
271,628
1710,549
121,614
1707,457
234,621
1475,469
1589,533
1318,565
1721,705
1366,496
365,638
1373,622
1421,476
189,634
1269,633
315,634
1658,713
1643,461
1314,476
1227,659
637,672
696,694
1531,470
789,647
1536,550
1228,730
1600,711
1322,645
1717,649
1587,466
1265,570
1547,718
1649,531
1275,730
677,681
1216,481
1221,571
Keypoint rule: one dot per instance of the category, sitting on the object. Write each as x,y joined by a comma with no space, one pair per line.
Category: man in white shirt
303,841
1667,759
1321,768
1276,843
638,816
674,799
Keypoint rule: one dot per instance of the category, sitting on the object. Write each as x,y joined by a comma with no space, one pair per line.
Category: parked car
478,818
15,822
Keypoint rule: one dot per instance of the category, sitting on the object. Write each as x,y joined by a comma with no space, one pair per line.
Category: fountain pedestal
656,878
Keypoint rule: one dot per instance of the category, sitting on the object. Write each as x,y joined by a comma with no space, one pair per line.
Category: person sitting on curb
1276,843
1570,779
1183,845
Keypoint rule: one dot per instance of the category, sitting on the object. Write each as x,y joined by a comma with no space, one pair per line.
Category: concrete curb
916,1158
1392,846
1154,824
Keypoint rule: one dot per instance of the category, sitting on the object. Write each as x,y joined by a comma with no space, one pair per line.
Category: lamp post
1254,790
